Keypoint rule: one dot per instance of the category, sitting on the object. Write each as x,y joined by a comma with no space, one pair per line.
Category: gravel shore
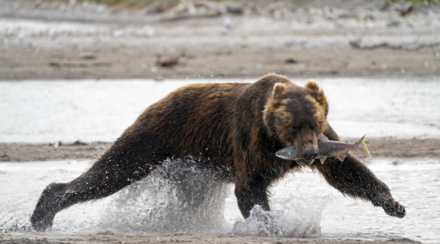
21,152
109,237
44,41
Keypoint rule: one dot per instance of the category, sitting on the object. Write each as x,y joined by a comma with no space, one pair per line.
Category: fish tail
363,147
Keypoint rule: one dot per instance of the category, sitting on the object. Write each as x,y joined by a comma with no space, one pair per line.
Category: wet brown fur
235,129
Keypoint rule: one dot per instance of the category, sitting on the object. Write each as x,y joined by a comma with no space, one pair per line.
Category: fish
326,149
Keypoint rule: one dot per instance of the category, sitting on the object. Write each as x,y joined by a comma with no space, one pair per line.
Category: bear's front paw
393,208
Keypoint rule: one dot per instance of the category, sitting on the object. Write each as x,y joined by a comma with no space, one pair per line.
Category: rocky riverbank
80,40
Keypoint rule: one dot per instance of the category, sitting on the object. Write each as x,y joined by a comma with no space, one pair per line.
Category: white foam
298,216
177,197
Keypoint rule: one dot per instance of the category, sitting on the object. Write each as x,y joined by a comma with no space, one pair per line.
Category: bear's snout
310,154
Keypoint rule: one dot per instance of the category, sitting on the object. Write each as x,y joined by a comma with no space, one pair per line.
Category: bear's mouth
303,161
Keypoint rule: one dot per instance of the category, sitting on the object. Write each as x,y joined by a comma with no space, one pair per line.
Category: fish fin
341,157
322,160
363,147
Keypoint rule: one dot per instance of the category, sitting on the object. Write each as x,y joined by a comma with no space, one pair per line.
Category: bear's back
192,121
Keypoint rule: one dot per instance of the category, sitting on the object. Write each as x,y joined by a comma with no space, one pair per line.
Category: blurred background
377,60
170,39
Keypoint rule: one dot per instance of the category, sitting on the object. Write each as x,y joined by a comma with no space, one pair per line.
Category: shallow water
302,204
48,111
307,204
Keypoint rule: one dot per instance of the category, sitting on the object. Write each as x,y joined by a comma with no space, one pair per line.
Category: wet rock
54,64
234,8
79,143
88,57
291,61
403,9
5,158
167,62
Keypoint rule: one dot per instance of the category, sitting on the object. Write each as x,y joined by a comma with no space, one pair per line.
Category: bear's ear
279,89
313,89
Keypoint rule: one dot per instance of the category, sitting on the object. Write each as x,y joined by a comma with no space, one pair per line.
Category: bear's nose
311,154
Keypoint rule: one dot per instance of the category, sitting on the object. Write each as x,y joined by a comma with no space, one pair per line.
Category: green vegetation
143,3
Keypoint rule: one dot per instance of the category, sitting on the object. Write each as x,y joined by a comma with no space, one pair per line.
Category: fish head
296,116
287,153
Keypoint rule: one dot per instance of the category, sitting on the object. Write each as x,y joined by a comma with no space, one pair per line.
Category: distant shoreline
56,41
217,63
24,152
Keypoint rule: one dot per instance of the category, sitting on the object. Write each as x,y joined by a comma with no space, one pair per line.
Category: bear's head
296,115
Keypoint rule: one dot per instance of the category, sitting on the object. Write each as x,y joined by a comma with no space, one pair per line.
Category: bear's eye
294,129
279,121
316,128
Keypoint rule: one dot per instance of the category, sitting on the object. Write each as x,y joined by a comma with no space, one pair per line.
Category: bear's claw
394,208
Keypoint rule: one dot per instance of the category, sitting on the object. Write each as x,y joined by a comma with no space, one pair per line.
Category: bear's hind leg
96,183
46,208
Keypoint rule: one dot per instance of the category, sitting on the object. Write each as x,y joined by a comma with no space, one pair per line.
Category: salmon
327,149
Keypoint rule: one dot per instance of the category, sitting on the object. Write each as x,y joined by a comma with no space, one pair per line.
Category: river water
303,204
50,111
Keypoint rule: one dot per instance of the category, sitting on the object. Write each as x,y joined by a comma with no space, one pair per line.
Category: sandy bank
109,237
18,152
239,61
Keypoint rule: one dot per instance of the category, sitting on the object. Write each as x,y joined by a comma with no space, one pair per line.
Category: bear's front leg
351,177
390,206
251,193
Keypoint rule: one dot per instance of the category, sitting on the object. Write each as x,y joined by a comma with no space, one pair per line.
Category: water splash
178,196
14,217
293,217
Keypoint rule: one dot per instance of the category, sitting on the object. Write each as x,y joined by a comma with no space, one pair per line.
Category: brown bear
235,128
